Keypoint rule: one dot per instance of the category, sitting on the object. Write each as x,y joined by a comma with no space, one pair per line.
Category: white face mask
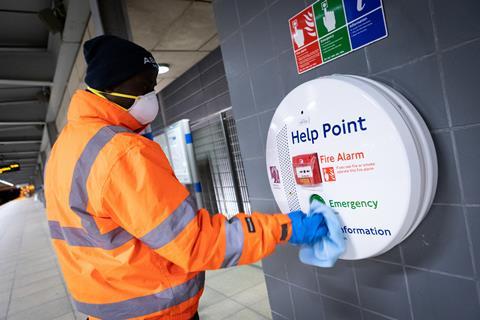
145,108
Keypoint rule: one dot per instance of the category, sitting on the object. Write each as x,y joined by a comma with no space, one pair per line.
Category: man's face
138,85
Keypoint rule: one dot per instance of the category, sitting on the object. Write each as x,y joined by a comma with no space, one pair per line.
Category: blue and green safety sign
329,29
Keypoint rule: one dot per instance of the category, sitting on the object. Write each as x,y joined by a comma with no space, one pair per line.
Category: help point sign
329,29
362,149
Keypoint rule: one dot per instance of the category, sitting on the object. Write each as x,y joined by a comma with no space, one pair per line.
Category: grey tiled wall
432,57
199,92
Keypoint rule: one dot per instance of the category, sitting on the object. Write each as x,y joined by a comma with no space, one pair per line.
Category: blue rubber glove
307,229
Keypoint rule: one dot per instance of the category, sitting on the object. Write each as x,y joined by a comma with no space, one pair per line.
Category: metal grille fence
220,165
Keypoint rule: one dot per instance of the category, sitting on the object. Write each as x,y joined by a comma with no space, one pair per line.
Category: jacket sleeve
145,198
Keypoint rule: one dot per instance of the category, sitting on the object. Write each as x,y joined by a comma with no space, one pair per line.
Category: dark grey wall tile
274,264
276,316
263,205
225,17
298,273
452,30
307,304
196,94
234,57
183,92
431,245
279,297
448,190
185,105
210,60
257,180
174,86
190,74
382,288
267,87
340,311
410,34
219,103
288,72
427,98
196,113
212,74
257,39
392,255
279,14
216,88
473,222
241,95
264,120
373,316
247,9
352,63
469,159
338,282
461,80
439,297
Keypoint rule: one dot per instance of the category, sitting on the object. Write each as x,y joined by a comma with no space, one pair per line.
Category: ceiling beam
11,176
23,49
21,123
16,153
19,11
21,160
27,68
17,102
26,83
78,12
26,170
21,142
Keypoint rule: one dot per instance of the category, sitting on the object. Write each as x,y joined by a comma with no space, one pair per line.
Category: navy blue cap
112,60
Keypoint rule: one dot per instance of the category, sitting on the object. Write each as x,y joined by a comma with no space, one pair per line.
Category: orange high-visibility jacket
130,242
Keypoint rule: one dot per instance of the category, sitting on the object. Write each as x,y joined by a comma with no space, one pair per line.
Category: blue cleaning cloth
324,253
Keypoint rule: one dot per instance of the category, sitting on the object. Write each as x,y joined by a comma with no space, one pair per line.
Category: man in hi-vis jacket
130,241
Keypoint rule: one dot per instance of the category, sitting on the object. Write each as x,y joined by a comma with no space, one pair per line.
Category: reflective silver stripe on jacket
145,305
235,239
171,227
89,235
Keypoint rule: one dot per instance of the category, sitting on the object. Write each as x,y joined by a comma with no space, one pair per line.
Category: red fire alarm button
307,169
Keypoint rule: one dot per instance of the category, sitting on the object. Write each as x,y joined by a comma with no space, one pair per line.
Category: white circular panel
347,140
423,140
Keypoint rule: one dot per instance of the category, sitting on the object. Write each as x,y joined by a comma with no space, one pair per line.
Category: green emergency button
316,197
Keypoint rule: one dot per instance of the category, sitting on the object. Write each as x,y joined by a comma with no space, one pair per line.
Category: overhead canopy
26,71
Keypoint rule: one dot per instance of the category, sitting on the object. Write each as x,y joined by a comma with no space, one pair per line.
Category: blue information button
367,29
356,8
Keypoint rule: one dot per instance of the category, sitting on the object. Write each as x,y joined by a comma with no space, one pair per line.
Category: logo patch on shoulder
250,225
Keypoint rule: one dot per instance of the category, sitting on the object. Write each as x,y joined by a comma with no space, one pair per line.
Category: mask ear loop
101,95
122,95
96,92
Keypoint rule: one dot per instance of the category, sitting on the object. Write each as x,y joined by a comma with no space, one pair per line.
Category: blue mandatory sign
367,29
356,8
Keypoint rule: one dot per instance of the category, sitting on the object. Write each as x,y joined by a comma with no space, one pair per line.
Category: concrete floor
31,285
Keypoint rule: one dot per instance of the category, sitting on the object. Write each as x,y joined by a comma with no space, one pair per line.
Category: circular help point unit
360,147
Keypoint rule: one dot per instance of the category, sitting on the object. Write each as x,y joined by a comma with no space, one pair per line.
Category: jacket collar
86,105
